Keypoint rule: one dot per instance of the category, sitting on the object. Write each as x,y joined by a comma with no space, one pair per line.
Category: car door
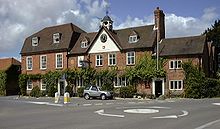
94,91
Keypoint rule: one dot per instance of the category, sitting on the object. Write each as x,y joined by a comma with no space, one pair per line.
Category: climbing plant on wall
3,77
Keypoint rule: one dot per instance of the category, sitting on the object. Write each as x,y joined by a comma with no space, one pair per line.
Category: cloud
21,18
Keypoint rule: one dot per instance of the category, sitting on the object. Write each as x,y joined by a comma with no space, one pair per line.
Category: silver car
94,91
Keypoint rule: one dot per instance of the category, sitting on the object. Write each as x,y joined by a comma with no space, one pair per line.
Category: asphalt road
32,113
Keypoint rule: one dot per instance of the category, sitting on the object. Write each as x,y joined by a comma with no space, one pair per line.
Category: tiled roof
146,35
182,46
45,43
6,63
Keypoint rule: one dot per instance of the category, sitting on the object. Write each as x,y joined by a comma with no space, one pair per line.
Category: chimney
159,23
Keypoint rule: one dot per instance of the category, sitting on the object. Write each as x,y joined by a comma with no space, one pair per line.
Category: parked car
93,91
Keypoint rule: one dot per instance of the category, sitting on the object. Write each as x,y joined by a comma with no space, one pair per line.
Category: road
32,113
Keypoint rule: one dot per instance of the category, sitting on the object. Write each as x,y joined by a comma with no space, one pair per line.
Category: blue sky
21,18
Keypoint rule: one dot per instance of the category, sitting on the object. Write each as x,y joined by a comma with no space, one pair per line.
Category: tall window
175,64
99,60
56,37
29,84
43,84
29,63
79,82
130,58
43,62
80,59
120,81
59,60
176,84
112,59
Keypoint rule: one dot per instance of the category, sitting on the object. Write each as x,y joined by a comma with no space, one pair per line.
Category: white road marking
157,107
87,104
141,111
109,103
218,104
99,104
46,103
101,112
141,102
131,102
185,113
208,124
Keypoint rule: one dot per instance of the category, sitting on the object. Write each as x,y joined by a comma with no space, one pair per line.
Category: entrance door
158,88
62,84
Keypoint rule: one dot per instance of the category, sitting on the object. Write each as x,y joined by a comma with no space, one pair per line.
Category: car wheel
103,96
86,96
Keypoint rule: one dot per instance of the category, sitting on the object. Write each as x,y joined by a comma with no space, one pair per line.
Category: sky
21,18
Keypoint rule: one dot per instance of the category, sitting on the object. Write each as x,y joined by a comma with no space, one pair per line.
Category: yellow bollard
66,98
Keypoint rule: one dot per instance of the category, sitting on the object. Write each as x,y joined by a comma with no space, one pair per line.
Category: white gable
100,47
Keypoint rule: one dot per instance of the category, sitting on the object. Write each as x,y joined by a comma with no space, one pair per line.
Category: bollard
66,98
57,97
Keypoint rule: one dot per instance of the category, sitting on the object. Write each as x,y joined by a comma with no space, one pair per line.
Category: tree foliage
213,33
3,77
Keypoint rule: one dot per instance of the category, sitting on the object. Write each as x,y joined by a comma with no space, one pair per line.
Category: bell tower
107,22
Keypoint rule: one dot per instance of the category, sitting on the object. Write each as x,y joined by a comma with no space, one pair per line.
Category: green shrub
35,92
80,91
3,77
127,91
43,93
69,89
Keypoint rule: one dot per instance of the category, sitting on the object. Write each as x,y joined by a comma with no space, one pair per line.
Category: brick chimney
159,23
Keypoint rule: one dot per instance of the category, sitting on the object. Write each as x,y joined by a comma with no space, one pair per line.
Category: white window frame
57,61
176,82
112,58
41,62
133,38
29,83
56,38
80,59
79,82
34,41
128,57
29,62
84,44
176,64
99,60
42,84
120,81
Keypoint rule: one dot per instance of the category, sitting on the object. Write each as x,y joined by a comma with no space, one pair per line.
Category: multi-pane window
29,63
79,82
175,64
99,60
133,39
43,62
34,41
43,84
112,59
130,58
59,60
176,84
29,84
84,44
56,37
120,81
80,59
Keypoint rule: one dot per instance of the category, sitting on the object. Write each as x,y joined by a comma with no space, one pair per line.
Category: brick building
66,46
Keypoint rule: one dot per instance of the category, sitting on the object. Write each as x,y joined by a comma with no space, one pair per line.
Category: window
80,59
29,84
112,59
56,38
176,85
34,41
130,58
59,60
133,39
218,60
43,84
84,44
99,60
120,81
79,82
29,63
43,62
175,64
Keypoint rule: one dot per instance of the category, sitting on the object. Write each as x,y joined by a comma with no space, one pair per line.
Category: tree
213,33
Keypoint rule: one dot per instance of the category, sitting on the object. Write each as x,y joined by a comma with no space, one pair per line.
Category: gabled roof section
182,46
6,63
46,39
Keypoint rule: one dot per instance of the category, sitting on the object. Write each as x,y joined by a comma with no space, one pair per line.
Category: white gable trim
100,47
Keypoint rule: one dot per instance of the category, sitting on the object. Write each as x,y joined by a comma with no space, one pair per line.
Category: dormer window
34,41
133,39
84,44
56,37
